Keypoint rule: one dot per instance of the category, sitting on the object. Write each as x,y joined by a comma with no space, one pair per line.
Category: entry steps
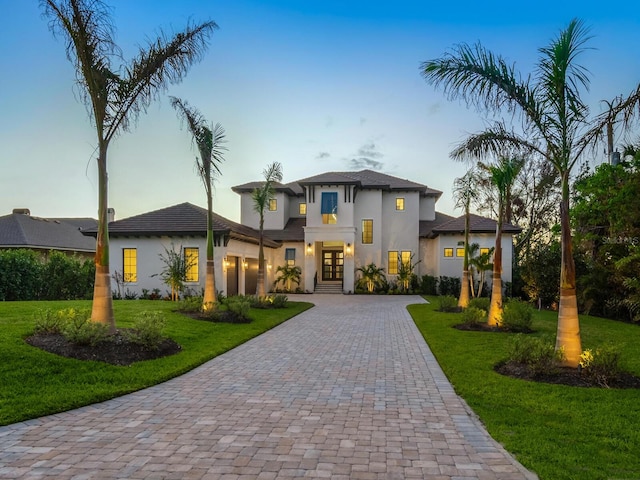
334,288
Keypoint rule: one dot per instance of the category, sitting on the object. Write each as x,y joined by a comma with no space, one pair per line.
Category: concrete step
328,288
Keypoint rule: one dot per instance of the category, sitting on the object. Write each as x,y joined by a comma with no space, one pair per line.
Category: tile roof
363,179
292,232
19,230
292,189
178,220
368,179
477,224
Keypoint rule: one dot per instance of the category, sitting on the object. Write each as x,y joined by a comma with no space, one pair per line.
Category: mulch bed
117,350
223,316
565,376
483,327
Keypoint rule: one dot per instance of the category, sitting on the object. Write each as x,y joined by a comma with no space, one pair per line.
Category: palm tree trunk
102,308
209,300
494,318
463,301
260,288
568,335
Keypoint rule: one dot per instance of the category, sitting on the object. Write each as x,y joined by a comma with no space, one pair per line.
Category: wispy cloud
368,156
322,155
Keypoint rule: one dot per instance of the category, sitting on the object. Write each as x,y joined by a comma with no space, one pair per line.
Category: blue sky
316,85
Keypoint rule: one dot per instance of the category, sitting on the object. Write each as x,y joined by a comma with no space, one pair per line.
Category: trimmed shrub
538,354
240,306
474,316
602,365
449,286
448,303
429,285
481,303
190,304
20,275
517,316
66,277
48,321
147,330
79,329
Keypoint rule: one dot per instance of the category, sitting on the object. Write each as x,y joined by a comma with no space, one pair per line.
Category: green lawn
559,432
35,383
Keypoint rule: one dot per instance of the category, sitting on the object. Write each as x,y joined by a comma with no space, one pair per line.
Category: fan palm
556,126
372,275
261,197
116,95
210,146
288,274
464,192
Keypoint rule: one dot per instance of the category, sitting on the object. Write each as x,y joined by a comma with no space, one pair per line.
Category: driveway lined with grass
348,389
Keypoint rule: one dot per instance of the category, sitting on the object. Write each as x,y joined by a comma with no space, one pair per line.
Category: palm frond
495,141
163,63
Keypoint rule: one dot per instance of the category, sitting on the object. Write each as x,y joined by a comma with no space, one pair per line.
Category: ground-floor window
130,265
191,259
448,252
290,256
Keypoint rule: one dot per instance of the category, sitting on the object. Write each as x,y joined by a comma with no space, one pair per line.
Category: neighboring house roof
477,224
369,179
21,230
292,232
181,220
292,189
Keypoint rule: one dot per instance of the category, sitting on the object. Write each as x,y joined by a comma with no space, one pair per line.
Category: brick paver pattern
346,390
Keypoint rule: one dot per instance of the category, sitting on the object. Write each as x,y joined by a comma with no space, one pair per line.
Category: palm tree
480,264
372,276
116,95
464,192
210,146
502,176
261,197
555,124
288,274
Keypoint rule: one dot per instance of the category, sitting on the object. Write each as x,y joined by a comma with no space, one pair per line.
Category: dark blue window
329,203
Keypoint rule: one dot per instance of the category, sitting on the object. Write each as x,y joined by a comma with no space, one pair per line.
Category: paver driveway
348,389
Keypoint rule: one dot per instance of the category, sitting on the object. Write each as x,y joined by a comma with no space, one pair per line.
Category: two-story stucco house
329,225
333,223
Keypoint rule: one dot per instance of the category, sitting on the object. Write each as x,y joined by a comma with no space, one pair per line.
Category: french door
332,265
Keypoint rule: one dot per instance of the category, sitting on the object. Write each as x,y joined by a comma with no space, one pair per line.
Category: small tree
478,264
372,276
176,266
405,272
288,274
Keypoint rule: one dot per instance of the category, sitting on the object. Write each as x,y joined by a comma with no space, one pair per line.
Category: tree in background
116,95
209,142
261,197
555,125
464,192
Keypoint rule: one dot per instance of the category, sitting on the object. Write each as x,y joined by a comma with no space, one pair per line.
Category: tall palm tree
464,192
209,142
555,124
502,176
116,95
261,197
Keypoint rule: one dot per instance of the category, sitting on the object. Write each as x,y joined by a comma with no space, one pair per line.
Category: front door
332,265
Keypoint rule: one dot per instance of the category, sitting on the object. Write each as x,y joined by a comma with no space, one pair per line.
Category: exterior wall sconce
225,263
309,249
348,250
269,266
245,264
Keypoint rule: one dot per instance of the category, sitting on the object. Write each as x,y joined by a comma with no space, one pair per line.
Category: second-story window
400,203
329,208
290,256
273,204
367,231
